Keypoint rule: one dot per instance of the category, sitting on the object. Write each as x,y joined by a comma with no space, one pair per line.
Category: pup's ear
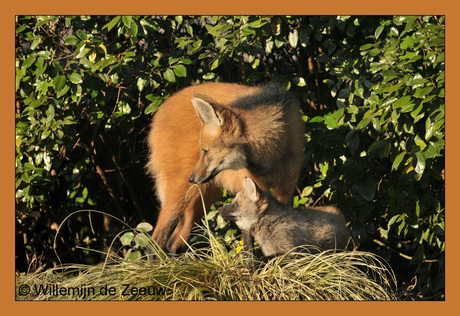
207,110
250,189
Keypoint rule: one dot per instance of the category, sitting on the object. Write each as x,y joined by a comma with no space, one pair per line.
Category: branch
380,243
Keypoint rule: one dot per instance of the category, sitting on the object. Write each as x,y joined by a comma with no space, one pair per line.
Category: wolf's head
247,206
221,140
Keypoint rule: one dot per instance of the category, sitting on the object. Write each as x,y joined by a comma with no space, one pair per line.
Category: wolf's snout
227,213
203,178
197,179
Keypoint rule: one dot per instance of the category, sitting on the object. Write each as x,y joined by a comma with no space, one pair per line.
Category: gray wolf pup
278,228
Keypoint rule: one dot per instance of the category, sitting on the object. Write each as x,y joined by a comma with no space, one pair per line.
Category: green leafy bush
381,150
372,90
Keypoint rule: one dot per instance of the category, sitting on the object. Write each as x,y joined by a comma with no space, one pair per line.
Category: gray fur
278,228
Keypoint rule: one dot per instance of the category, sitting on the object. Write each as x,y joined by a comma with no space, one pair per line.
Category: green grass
214,273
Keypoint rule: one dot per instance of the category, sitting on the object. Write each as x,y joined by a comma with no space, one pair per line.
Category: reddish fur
174,142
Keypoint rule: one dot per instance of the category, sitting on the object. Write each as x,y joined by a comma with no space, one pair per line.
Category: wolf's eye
204,152
236,204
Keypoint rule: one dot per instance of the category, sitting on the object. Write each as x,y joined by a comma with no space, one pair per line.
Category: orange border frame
332,7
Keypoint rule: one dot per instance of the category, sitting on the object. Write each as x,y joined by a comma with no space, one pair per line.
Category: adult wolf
215,135
279,228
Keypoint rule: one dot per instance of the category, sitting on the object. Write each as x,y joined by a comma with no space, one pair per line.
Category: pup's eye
204,152
236,204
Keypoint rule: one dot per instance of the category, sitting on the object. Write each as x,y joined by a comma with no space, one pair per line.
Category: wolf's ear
206,109
250,189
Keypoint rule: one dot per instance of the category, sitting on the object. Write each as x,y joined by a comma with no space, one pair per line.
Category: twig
380,243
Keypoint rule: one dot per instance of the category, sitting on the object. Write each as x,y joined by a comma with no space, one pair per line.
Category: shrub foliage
372,90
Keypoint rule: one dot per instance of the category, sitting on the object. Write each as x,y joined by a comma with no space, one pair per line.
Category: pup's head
222,146
246,207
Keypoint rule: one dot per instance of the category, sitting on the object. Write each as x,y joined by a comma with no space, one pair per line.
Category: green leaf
230,234
407,42
429,129
49,114
146,227
420,143
407,107
366,46
127,20
294,38
45,134
183,43
180,70
25,177
395,87
186,61
376,124
63,91
35,43
134,29
404,101
247,30
190,30
330,122
402,223
71,40
417,208
42,87
75,78
141,240
431,152
59,83
374,52
213,30
366,188
363,123
179,19
141,83
84,193
169,75
107,61
152,107
376,145
417,81
395,218
112,23
258,23
394,31
82,34
127,238
299,81
69,120
217,62
21,28
378,31
316,119
422,92
307,191
82,52
29,61
133,255
420,163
